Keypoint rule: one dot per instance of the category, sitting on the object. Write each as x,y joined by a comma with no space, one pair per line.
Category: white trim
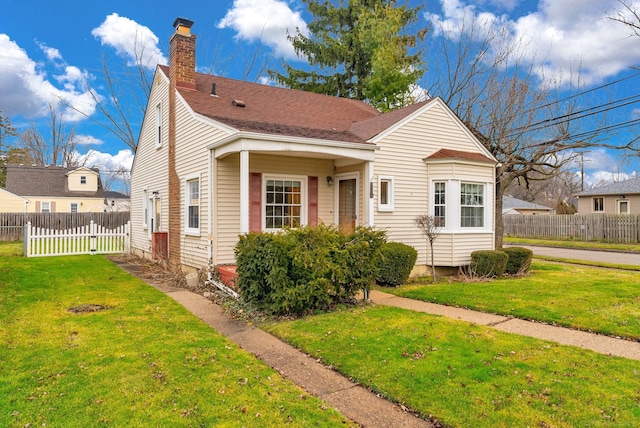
593,204
256,142
627,201
192,231
77,204
369,197
42,206
336,195
244,192
304,197
453,210
389,206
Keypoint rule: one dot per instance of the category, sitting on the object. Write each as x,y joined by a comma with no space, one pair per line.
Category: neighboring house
218,158
38,189
616,198
511,206
116,202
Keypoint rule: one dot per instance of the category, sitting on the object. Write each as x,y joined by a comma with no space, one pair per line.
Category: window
45,207
83,179
598,205
283,203
158,133
439,204
471,205
623,207
193,205
145,208
385,194
73,207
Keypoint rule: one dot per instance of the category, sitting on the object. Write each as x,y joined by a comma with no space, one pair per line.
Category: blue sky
51,49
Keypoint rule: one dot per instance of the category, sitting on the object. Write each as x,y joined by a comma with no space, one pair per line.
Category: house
41,189
616,198
514,206
116,202
219,157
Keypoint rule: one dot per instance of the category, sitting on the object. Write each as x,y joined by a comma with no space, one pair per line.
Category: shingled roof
627,187
456,154
27,180
253,107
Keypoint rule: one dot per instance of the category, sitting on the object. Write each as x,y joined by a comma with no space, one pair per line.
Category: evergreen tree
359,49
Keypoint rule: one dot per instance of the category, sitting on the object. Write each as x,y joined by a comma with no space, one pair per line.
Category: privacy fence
12,224
591,227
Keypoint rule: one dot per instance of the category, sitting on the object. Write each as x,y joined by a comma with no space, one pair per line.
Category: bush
488,263
395,263
519,260
305,269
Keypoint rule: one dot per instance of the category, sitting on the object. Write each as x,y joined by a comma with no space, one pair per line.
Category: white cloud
87,140
25,89
137,43
107,161
567,35
266,21
52,54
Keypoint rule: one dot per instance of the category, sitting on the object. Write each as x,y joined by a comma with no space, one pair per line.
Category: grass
144,361
605,301
583,245
467,375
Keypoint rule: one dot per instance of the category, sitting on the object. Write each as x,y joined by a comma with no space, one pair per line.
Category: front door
347,204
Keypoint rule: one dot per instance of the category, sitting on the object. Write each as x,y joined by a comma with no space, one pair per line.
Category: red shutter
53,207
37,206
255,202
313,202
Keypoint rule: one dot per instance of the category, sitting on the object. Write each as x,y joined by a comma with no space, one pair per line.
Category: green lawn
144,361
606,301
467,375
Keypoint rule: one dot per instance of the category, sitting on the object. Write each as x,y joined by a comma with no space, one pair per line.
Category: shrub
519,260
395,263
488,263
305,269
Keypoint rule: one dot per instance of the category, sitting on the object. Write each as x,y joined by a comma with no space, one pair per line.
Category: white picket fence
90,239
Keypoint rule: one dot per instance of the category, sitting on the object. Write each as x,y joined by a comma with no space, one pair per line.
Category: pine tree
359,49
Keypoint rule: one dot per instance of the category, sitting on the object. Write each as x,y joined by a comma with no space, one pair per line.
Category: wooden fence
591,227
90,239
12,224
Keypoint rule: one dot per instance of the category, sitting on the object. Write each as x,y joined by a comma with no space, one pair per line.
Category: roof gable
449,154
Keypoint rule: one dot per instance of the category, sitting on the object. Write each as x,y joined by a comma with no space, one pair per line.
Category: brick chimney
182,55
182,75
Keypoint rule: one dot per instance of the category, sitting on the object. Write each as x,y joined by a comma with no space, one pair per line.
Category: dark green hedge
306,269
395,263
488,263
519,260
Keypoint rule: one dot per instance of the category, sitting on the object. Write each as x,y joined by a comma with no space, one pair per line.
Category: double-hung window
283,203
471,205
440,203
158,133
45,207
192,192
73,207
598,205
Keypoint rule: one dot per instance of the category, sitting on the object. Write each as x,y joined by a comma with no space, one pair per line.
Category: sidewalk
612,257
350,399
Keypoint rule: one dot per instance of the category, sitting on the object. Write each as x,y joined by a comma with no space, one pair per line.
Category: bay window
471,205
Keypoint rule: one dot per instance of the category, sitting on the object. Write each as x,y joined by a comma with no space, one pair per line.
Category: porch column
368,194
244,191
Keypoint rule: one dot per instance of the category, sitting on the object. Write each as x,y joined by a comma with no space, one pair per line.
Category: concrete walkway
350,399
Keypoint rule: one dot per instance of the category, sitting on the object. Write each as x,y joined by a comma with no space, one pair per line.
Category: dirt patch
87,308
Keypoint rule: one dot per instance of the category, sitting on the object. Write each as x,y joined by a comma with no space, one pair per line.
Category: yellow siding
75,184
63,205
150,167
401,156
10,203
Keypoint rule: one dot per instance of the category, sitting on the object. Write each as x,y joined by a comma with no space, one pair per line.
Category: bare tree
629,15
430,227
119,179
497,91
56,148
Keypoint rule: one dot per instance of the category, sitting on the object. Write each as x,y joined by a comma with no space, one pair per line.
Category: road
593,256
